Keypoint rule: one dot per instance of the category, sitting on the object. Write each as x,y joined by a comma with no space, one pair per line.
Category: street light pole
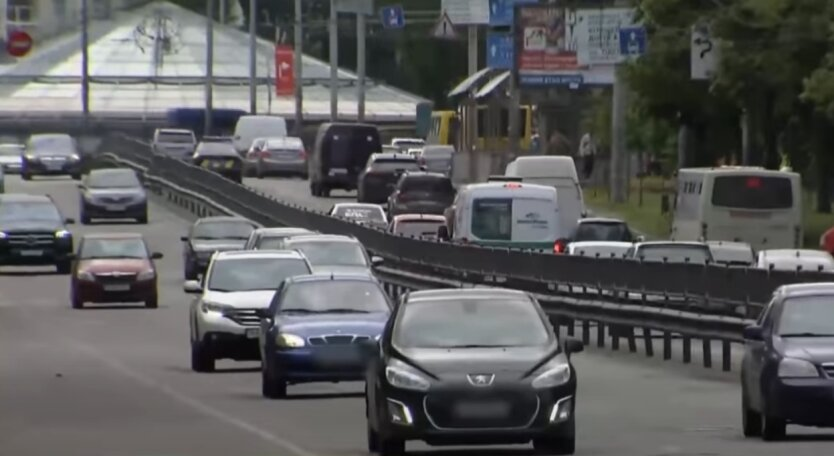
209,88
253,55
85,62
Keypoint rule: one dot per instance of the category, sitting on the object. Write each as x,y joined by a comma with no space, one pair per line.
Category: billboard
284,74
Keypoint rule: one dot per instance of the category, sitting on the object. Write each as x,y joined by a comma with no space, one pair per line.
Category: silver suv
174,142
223,319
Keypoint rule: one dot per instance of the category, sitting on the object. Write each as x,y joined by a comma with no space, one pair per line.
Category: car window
470,322
175,137
113,179
417,228
334,296
112,248
807,316
385,165
11,150
271,242
22,211
591,231
252,274
427,184
222,230
337,253
360,213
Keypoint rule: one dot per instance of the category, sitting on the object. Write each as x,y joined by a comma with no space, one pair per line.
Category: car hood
334,269
217,245
30,225
258,299
115,192
129,265
816,349
453,364
370,324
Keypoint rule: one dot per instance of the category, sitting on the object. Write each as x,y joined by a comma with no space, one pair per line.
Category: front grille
244,317
115,199
481,408
30,239
828,368
339,339
109,278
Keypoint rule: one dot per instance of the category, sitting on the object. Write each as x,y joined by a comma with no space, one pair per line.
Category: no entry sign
19,43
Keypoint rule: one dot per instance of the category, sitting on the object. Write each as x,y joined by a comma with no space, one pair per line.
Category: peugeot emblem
480,379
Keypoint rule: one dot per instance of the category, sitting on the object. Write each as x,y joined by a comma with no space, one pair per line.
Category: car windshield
592,231
417,228
176,138
52,145
29,211
807,316
222,230
336,253
675,253
446,323
344,296
437,185
113,179
373,214
388,165
253,274
112,248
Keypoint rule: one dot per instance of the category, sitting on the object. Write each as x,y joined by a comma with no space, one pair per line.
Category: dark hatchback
113,193
212,234
340,152
53,154
220,158
33,233
787,374
379,178
421,193
470,367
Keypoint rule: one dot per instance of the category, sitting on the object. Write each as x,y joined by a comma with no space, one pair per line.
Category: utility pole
222,14
85,62
253,56
360,66
618,141
334,62
471,126
297,70
209,66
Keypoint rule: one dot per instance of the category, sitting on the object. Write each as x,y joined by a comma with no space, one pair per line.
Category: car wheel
64,267
259,173
562,444
201,358
189,273
373,438
325,191
272,387
314,189
76,302
390,446
143,220
85,219
773,429
152,302
751,420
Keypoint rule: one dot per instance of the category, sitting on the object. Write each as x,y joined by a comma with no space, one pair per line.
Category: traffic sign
444,28
499,51
19,43
501,11
392,17
703,57
284,70
632,41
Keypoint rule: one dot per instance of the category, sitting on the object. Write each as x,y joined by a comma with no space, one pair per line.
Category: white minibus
742,204
558,172
249,128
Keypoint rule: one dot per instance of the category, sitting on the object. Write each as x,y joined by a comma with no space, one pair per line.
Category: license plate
338,171
230,164
482,409
338,356
116,208
31,253
253,333
117,287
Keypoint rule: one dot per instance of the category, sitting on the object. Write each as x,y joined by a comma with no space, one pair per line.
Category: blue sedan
315,328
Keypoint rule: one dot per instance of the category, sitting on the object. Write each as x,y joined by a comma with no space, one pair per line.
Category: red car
111,268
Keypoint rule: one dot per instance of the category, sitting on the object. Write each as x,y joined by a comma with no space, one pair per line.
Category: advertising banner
284,75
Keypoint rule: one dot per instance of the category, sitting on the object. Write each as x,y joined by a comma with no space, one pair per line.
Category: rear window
752,192
52,144
428,184
374,214
492,219
418,228
391,164
732,256
350,147
224,150
602,232
179,138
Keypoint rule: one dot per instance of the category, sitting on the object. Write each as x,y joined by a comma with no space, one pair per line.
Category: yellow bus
445,128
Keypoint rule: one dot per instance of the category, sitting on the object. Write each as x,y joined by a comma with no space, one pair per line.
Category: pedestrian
587,153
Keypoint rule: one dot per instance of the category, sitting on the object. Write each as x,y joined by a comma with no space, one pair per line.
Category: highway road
115,381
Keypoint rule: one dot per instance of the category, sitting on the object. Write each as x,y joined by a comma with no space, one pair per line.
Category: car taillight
263,154
404,196
421,161
560,246
303,154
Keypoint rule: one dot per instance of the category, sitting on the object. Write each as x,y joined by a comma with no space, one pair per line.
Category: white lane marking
192,403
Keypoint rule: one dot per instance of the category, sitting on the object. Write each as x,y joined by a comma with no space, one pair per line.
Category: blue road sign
632,41
501,11
499,51
392,17
550,79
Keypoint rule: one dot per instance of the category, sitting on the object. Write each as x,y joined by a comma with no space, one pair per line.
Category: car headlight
285,340
62,234
215,307
401,375
797,368
31,157
378,336
75,157
553,374
146,275
3,235
86,276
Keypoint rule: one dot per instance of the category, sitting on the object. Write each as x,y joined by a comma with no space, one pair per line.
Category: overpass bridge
132,87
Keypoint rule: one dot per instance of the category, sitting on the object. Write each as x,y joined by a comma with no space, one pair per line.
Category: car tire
325,191
562,444
271,386
76,302
259,173
85,219
390,447
63,267
751,420
143,220
773,429
373,438
201,358
189,273
152,302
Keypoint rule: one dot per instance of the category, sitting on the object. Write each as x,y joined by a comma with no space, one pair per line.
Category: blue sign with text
392,17
500,51
632,41
501,11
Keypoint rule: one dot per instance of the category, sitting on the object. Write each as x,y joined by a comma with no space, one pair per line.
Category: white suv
223,320
174,142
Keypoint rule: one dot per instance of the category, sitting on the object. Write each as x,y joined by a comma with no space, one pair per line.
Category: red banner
284,71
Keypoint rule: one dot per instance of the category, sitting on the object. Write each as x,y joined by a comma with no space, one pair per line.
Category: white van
249,128
558,172
504,214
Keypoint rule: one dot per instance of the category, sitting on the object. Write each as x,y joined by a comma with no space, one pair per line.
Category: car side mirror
753,332
184,238
377,261
192,287
69,221
443,233
156,256
573,345
263,314
640,239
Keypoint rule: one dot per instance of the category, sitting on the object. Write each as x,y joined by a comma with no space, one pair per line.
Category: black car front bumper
802,401
40,254
52,168
102,211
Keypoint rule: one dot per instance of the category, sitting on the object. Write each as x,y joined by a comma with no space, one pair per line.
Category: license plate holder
31,253
253,333
115,287
116,208
338,356
338,171
482,409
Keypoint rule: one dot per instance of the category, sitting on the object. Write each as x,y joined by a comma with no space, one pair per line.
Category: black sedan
113,193
221,158
209,235
421,193
470,367
378,179
787,375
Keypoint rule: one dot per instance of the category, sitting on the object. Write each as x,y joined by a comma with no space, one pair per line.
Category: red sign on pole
18,43
284,71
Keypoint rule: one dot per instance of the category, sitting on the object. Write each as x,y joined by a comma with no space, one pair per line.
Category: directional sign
501,11
284,74
444,28
19,43
703,57
632,41
499,51
392,17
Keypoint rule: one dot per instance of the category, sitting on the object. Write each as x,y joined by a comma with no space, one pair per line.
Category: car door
269,326
754,357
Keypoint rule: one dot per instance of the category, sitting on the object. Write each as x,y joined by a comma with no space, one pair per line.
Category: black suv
33,233
421,193
380,176
52,154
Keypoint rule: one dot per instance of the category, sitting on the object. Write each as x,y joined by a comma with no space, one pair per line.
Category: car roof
175,130
24,198
238,254
283,230
730,244
601,220
806,289
618,244
402,156
327,276
322,238
112,171
113,235
408,174
465,293
794,253
223,218
672,243
216,148
368,205
432,217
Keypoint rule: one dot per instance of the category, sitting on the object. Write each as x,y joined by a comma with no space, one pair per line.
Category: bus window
752,192
492,219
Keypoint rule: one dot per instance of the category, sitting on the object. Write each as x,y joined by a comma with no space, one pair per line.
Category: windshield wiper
223,290
302,311
475,346
806,334
343,310
101,257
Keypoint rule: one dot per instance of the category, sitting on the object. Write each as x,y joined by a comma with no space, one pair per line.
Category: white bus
742,204
504,214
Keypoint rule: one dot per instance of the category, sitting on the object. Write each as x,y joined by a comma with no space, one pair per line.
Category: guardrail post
726,356
614,332
632,343
586,332
570,323
667,345
600,334
707,349
687,349
647,340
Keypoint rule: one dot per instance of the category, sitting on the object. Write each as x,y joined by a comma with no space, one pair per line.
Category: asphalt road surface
115,381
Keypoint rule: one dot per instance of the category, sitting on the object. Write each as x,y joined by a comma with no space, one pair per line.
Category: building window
20,11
